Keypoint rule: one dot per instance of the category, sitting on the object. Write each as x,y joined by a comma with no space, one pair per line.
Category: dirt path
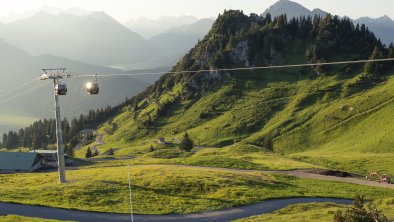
354,180
267,206
306,173
99,142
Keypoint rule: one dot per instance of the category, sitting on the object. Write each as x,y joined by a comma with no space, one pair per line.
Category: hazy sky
125,9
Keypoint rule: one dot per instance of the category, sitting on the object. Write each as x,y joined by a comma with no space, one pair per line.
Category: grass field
167,189
238,156
14,218
322,212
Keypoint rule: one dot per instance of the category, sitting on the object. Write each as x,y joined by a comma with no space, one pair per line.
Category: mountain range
96,38
11,17
176,41
383,27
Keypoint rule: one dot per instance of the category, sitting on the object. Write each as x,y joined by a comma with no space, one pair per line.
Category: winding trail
99,142
267,206
99,139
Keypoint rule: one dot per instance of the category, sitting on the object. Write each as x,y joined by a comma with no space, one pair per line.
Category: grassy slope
323,212
236,156
293,112
169,189
301,113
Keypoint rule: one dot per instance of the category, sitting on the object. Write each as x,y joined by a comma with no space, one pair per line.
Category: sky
123,10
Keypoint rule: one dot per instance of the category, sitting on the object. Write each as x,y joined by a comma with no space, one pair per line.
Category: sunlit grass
162,189
355,162
14,218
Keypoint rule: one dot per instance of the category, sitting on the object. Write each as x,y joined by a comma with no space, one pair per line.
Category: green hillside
315,115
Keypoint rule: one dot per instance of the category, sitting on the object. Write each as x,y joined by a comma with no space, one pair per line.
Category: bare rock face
240,53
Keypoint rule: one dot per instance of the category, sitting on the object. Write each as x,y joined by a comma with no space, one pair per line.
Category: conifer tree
88,153
374,68
186,143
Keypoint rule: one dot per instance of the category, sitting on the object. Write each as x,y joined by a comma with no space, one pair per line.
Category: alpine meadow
279,116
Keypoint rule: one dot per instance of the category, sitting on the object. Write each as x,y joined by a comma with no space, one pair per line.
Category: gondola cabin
61,89
92,88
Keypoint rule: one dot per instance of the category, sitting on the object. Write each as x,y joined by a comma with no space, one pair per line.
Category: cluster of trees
377,68
42,133
90,154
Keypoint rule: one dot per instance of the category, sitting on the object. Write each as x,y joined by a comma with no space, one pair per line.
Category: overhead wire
17,88
241,69
23,93
194,71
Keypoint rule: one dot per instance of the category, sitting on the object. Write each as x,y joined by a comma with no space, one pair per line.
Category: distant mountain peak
100,15
385,18
291,9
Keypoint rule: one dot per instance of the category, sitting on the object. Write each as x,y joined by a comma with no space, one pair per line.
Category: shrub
361,211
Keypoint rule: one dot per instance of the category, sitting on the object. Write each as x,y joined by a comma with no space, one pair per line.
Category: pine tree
231,43
88,153
111,152
268,143
374,68
186,143
69,150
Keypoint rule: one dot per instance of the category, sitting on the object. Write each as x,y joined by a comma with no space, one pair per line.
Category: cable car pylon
59,89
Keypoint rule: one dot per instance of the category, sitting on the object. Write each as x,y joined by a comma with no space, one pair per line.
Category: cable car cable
242,69
204,70
17,88
22,93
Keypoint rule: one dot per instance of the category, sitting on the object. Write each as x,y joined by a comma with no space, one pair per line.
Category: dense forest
265,37
42,133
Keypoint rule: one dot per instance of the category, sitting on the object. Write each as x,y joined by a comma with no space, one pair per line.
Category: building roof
44,151
17,160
